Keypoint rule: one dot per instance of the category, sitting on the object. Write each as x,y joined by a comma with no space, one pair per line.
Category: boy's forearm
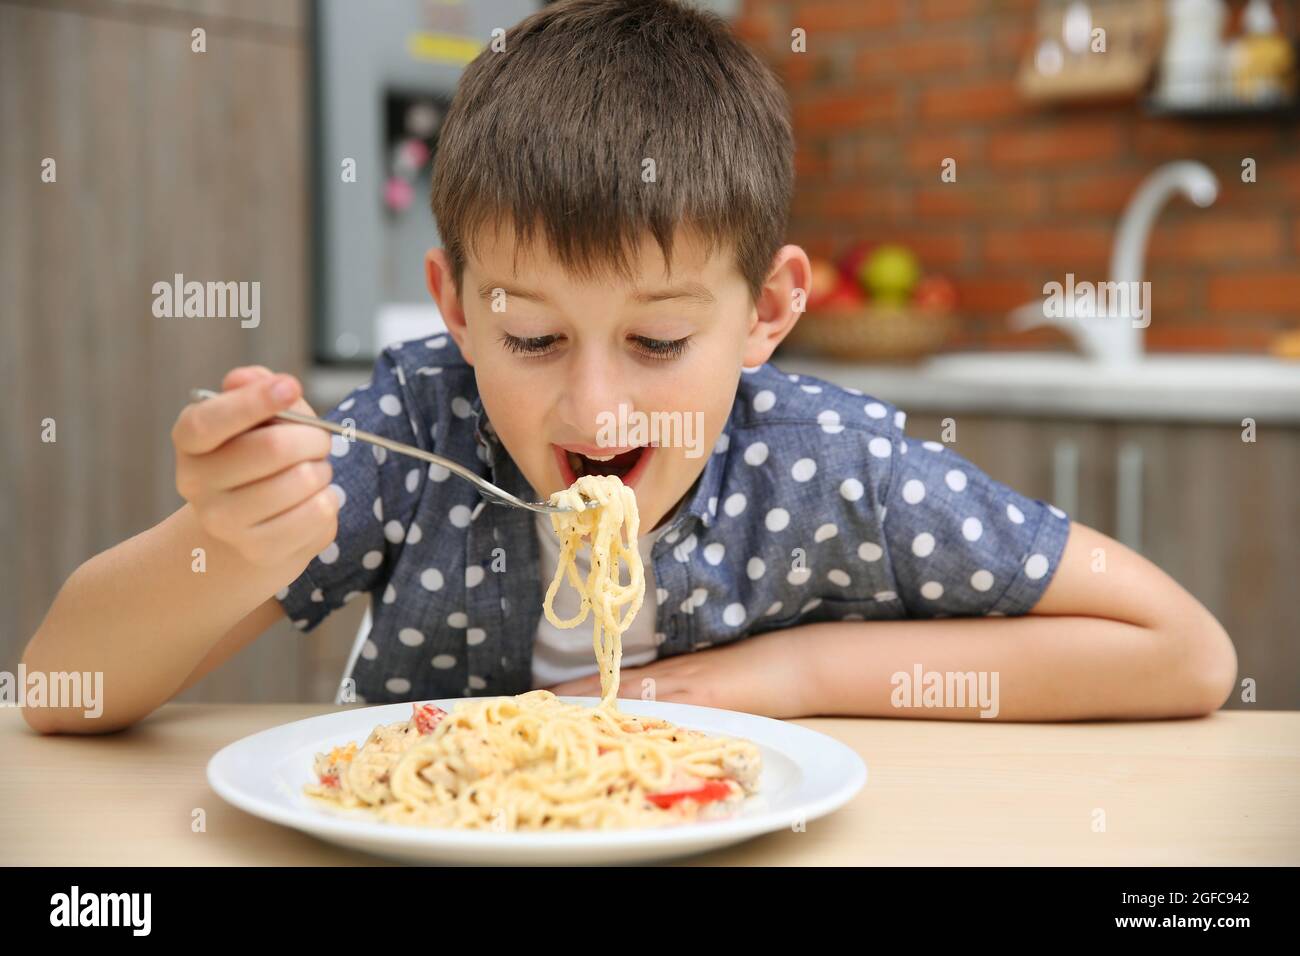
1034,667
144,617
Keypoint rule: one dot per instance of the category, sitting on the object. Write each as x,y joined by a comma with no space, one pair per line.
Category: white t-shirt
563,654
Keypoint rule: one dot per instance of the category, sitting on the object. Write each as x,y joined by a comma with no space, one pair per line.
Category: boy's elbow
1212,667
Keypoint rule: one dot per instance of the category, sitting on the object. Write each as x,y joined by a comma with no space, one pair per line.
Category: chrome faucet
1119,338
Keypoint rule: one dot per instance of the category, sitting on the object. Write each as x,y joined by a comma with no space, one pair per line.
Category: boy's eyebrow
693,291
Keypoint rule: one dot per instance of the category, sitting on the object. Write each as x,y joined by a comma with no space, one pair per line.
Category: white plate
805,775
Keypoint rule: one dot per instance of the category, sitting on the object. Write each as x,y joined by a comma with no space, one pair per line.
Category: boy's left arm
1124,642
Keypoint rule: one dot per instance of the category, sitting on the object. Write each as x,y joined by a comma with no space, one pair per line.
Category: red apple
935,292
850,263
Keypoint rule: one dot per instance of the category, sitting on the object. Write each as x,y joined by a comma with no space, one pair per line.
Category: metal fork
490,491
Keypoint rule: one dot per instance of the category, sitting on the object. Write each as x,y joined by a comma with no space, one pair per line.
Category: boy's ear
778,307
438,276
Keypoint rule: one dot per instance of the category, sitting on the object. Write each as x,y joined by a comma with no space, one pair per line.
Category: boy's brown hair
553,132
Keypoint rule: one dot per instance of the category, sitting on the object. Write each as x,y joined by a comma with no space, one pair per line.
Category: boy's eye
536,345
661,348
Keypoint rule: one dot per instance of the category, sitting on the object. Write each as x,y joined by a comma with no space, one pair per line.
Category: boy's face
569,369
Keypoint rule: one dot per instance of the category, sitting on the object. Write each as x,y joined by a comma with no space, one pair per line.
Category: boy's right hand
260,486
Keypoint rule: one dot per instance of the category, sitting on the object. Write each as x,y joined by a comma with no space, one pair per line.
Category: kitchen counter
1217,791
1176,388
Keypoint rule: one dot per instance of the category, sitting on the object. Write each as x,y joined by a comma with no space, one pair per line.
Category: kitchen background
954,156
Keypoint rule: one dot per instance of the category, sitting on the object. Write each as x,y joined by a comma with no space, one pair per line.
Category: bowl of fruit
875,303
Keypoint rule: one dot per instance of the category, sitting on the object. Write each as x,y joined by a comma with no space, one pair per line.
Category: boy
612,191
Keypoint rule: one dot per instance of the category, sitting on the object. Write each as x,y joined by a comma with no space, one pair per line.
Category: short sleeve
379,491
961,543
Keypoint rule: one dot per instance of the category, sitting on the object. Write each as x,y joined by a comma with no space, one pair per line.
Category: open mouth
626,466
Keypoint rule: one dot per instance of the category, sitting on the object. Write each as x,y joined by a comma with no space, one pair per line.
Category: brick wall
888,88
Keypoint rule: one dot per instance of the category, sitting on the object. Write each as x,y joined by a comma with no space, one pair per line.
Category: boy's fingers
239,377
207,425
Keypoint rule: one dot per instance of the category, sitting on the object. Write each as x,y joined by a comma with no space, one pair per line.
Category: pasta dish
534,762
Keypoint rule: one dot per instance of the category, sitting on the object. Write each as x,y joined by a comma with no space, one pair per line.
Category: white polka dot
885,596
825,533
838,577
683,551
459,516
457,619
473,575
318,595
380,453
672,536
461,408
389,405
755,568
1036,566
444,662
281,594
879,447
475,636
330,554
698,597
437,342
722,444
764,400
390,594
412,479
734,504
1015,514
803,469
815,602
931,446
851,489
661,595
981,580
811,389
378,509
410,637
713,505
870,551
913,491
900,418
439,473
372,559
369,650
923,544
340,494
971,529
476,682
774,609
756,454
397,685
394,532
1056,511
734,615
346,404
798,576
874,410
830,422
414,534
431,579
932,590
339,446
956,480
777,519
713,553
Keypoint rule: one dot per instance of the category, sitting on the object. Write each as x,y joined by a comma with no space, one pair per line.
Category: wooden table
1217,791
